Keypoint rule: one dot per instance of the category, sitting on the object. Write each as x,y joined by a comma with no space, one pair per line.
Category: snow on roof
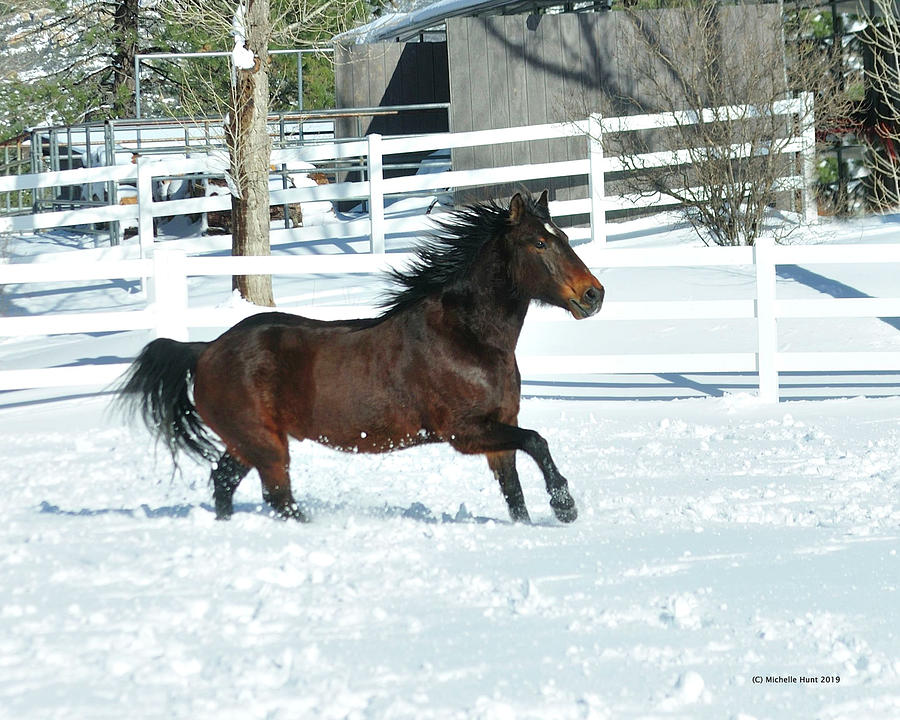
402,26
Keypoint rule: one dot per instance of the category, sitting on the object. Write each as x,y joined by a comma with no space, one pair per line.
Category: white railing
374,149
169,314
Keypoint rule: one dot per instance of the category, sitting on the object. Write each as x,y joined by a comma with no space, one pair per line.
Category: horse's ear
542,200
516,208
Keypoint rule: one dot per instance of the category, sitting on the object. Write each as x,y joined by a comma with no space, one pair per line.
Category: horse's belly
367,427
361,403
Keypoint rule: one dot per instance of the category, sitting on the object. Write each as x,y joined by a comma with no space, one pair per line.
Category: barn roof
402,26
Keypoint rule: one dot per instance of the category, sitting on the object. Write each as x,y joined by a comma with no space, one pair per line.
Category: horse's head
544,267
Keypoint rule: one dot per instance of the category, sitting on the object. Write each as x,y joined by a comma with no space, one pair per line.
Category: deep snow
719,540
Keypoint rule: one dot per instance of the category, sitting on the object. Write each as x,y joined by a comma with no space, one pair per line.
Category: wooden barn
505,63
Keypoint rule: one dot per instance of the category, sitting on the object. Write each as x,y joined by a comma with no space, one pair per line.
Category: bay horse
438,365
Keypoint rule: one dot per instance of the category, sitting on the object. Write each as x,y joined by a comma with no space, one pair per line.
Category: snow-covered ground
726,550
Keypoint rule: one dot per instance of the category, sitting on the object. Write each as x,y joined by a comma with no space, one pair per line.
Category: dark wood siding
532,69
514,70
384,74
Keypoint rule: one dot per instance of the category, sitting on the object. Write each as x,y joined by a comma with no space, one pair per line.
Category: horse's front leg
491,436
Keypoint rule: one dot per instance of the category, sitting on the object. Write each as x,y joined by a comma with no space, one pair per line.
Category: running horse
438,365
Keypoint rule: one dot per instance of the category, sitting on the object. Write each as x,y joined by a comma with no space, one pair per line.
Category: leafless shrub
725,68
881,126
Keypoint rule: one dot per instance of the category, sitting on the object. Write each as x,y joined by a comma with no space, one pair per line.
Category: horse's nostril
593,296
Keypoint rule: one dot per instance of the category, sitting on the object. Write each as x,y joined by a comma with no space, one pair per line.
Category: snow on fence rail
168,313
373,190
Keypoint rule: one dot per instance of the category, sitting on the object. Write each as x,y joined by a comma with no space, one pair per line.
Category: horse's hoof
520,515
293,512
224,508
566,515
564,508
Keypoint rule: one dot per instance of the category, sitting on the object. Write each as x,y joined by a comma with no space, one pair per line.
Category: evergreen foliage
69,61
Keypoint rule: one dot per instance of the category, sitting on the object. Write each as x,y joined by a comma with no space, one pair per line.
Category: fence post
112,187
169,294
300,89
595,178
145,206
376,194
808,156
145,214
767,331
36,156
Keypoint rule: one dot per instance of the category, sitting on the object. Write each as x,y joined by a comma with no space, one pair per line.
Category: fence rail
373,153
168,312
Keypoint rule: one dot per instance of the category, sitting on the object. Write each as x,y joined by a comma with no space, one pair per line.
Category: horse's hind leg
503,465
272,461
276,482
266,450
226,476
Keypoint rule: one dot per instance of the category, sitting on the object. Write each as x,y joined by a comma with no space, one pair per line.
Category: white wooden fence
167,312
373,151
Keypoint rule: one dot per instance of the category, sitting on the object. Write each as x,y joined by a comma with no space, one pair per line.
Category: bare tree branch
733,62
881,129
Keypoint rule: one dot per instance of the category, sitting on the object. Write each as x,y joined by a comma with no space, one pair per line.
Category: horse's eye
540,244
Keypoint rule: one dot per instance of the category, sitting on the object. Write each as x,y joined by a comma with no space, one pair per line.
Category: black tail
157,387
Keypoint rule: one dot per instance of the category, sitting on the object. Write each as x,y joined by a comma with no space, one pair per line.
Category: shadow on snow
417,512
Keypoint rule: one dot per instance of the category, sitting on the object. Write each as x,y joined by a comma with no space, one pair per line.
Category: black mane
449,253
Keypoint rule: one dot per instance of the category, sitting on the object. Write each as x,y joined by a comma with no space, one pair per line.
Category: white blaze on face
552,230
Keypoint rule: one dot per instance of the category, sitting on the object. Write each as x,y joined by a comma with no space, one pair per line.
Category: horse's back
276,318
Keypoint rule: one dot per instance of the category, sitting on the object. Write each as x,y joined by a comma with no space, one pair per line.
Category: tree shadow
827,286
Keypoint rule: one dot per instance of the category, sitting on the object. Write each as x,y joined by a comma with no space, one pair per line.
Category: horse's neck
486,304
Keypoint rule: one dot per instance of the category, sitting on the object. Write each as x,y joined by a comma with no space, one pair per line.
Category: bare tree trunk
250,149
125,22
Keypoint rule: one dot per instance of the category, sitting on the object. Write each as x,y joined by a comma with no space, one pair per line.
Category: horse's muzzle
588,304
